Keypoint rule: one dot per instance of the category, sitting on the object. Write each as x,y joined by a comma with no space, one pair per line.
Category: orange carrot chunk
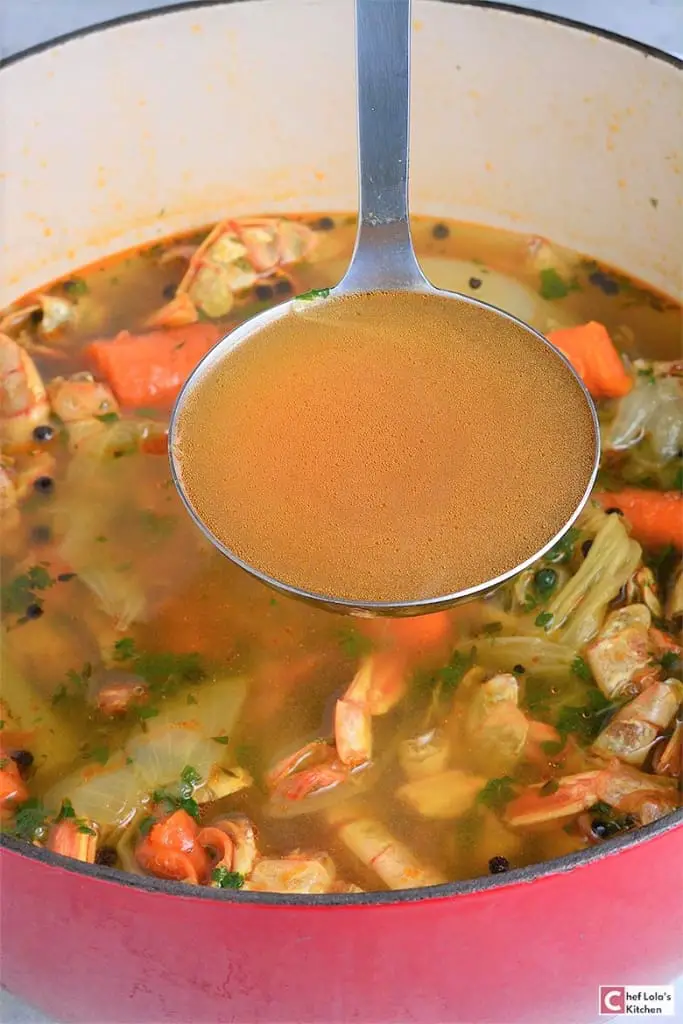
591,352
150,369
656,517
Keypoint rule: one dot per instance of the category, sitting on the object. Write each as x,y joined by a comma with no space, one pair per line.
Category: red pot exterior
530,951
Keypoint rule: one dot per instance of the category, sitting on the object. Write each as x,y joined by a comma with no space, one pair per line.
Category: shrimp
642,588
495,725
311,770
669,761
230,260
80,397
500,733
632,732
319,766
23,400
242,834
381,852
619,657
378,685
296,873
424,755
54,312
622,787
9,511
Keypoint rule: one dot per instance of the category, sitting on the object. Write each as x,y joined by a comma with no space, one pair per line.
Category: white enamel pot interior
174,120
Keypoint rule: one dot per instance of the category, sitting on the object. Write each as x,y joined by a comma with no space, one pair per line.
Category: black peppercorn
475,282
283,287
106,856
497,865
519,670
440,231
43,432
44,484
23,759
169,291
34,611
264,292
323,224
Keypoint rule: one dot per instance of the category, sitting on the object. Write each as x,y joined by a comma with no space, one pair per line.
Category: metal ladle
383,260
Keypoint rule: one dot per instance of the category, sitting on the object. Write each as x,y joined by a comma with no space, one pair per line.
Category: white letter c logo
609,1000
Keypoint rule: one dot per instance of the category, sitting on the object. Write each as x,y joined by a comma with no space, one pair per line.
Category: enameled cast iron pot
161,122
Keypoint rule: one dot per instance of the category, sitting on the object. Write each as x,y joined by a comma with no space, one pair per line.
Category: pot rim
517,876
124,19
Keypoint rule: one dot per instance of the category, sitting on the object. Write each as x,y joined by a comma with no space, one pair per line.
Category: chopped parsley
553,286
648,375
564,549
124,649
75,686
670,661
30,820
221,739
453,673
145,825
497,792
108,417
314,293
66,810
183,799
587,720
354,644
21,591
581,669
224,879
544,619
75,287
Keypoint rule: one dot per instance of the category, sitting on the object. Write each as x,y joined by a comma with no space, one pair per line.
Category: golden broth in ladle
386,447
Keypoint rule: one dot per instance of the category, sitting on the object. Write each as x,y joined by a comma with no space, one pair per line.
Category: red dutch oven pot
157,123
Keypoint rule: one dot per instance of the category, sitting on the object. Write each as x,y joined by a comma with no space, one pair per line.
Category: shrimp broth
153,694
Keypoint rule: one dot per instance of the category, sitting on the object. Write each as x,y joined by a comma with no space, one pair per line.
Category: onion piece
219,702
160,755
108,796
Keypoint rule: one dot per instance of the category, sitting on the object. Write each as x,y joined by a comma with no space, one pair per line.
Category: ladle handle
383,256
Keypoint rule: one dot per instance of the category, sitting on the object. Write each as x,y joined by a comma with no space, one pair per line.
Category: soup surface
386,448
165,714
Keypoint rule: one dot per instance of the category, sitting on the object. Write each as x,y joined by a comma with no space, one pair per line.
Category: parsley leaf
453,673
15,596
497,792
553,286
564,549
29,820
581,669
544,619
585,721
314,293
224,879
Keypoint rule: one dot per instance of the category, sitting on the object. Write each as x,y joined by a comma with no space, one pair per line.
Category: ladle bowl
383,261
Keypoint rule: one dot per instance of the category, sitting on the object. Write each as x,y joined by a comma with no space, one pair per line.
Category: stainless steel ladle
383,260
